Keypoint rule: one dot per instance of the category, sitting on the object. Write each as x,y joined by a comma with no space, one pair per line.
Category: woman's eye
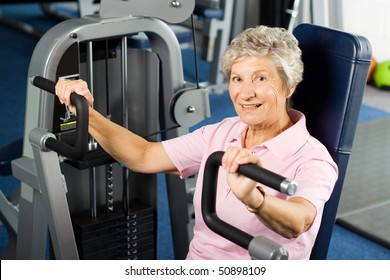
236,79
258,79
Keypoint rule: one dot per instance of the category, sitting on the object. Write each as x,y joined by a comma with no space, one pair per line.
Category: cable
161,131
195,52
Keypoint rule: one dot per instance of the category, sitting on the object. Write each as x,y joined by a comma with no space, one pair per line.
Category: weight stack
116,236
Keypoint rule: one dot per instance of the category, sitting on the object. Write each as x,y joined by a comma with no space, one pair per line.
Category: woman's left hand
242,187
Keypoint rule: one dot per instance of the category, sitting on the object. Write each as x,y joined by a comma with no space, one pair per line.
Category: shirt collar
286,143
292,139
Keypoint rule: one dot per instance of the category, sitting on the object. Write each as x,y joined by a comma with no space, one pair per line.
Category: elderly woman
263,67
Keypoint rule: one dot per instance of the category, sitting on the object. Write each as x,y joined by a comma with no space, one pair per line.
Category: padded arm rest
7,154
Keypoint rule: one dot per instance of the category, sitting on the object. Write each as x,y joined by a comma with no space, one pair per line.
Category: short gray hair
275,43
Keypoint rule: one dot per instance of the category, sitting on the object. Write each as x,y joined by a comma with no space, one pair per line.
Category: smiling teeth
251,106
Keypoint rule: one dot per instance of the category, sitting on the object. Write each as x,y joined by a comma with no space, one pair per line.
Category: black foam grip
43,83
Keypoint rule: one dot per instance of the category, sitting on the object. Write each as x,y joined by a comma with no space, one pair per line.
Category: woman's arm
289,218
133,151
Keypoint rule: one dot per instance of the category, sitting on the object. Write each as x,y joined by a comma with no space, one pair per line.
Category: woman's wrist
262,204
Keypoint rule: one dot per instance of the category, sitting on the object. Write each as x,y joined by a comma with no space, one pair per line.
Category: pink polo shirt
293,154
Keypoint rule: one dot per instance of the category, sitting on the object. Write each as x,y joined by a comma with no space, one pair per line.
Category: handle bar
262,247
82,118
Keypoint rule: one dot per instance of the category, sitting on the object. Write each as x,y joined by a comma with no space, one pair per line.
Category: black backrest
330,95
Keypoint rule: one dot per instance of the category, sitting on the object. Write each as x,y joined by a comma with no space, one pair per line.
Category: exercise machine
93,207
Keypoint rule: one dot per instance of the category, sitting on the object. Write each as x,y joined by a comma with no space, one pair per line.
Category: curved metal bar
260,248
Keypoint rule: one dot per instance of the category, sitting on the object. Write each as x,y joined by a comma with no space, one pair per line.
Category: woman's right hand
64,88
242,187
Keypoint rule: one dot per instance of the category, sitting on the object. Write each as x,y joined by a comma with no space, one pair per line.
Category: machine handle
228,231
268,178
82,118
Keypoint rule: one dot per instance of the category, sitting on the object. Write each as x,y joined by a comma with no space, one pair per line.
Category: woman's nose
247,90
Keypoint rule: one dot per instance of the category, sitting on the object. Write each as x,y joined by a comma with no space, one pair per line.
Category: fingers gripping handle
81,142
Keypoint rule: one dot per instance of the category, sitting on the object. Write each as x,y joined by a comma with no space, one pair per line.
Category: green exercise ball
381,75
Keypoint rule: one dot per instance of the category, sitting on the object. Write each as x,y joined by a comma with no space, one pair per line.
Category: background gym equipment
381,75
373,65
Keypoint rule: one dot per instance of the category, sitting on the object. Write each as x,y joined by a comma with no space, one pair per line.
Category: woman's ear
292,89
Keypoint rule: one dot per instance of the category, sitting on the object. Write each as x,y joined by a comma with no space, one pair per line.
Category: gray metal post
50,194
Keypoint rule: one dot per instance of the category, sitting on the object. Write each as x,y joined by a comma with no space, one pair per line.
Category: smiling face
258,93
